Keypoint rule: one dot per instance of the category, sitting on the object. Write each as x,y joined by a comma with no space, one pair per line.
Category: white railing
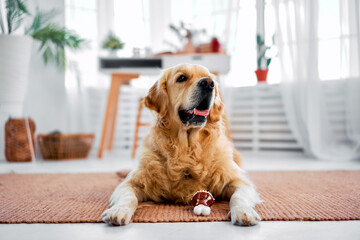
258,120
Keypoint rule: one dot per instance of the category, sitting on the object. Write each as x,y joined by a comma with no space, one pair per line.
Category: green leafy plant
16,11
54,39
112,42
262,60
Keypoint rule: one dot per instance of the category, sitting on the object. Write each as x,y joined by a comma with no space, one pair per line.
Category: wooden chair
109,124
137,127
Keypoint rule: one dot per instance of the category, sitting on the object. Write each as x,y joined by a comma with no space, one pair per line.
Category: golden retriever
186,150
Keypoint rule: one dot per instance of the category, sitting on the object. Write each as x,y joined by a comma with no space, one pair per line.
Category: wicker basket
17,144
65,146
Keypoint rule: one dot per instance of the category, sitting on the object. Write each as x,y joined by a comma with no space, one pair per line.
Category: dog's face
186,94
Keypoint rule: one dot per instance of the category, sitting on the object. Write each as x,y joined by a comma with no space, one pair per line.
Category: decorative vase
215,45
261,74
189,47
15,52
20,140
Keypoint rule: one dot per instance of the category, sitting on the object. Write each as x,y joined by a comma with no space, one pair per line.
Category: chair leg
137,127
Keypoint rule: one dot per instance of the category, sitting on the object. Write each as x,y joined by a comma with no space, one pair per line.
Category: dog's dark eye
182,78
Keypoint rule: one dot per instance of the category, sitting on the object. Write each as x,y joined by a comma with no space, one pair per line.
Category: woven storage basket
65,146
17,140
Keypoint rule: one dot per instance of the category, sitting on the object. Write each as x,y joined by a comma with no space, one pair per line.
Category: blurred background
288,69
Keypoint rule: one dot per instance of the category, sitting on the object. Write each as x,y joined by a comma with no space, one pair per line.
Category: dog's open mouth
196,115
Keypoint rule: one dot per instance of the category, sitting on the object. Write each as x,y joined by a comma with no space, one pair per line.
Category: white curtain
319,40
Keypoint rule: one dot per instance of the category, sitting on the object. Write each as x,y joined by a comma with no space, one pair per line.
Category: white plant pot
15,52
113,53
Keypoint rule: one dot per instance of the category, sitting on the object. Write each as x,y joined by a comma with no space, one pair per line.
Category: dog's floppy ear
157,98
218,106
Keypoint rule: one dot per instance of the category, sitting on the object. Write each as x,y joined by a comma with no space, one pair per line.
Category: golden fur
177,160
171,150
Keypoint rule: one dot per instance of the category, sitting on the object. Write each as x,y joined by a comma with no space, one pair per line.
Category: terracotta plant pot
261,74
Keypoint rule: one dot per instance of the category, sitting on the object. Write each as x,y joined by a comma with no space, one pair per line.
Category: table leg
107,118
110,143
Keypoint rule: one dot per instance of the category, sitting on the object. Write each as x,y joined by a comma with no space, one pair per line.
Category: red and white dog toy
202,200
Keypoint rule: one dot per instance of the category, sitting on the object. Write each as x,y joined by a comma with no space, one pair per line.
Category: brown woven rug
74,198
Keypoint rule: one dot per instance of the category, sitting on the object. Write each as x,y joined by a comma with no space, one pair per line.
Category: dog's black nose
206,84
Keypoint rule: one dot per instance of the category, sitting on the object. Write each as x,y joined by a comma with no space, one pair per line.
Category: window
131,24
233,22
327,25
337,47
81,16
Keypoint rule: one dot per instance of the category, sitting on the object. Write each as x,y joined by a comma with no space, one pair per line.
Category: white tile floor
217,230
185,231
111,164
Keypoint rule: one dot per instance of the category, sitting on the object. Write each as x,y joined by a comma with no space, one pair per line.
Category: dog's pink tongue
201,112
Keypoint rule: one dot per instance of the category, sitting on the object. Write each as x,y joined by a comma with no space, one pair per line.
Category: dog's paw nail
105,217
117,216
244,216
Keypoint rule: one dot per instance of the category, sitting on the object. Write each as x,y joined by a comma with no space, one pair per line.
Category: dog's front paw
117,215
244,216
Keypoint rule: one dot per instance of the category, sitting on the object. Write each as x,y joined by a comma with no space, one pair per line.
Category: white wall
46,98
160,18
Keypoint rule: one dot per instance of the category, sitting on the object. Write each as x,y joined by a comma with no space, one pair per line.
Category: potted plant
263,61
15,50
112,43
186,35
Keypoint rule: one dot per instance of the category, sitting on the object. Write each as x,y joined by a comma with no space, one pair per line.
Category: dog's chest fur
185,176
174,168
188,166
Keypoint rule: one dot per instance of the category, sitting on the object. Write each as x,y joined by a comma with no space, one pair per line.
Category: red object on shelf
261,74
215,45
